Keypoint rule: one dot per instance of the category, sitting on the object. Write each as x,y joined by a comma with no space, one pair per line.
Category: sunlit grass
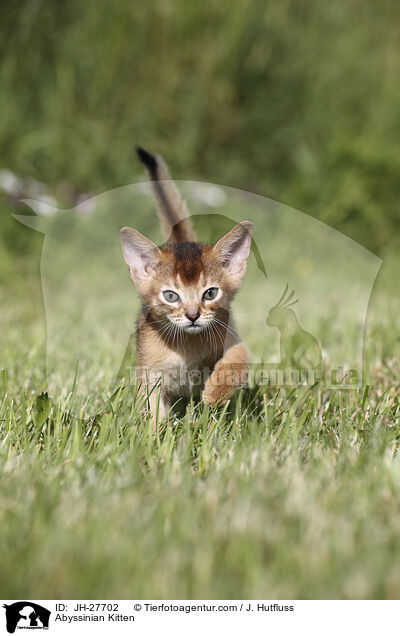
289,493
286,493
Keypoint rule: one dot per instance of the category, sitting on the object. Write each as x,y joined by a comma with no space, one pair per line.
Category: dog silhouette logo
26,615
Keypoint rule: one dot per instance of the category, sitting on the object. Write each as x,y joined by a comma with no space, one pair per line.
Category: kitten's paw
216,394
221,384
230,373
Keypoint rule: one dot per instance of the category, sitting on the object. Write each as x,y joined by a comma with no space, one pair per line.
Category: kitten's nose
192,317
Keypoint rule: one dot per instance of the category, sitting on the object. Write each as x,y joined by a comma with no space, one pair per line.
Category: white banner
177,617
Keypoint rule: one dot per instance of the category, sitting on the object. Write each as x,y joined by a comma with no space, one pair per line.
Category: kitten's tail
172,210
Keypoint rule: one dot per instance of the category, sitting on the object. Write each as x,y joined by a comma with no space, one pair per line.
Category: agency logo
301,310
26,615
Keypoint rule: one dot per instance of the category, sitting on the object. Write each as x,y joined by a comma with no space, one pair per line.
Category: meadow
289,492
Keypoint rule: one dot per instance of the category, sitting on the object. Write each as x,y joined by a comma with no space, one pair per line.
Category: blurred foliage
297,100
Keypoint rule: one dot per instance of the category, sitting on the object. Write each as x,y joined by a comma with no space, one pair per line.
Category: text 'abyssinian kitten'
186,289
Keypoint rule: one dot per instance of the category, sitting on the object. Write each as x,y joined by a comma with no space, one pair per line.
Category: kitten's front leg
159,407
229,373
154,402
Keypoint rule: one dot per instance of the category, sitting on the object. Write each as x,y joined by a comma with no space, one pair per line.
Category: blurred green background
296,100
297,496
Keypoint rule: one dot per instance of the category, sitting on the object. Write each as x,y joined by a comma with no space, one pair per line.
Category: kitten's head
189,285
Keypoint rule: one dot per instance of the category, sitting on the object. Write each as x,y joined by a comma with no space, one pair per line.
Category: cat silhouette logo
26,615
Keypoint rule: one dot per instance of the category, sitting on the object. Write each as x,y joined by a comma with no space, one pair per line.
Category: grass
289,493
295,493
292,493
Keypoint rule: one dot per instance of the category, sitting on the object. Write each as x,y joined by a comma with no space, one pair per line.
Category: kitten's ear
233,248
141,254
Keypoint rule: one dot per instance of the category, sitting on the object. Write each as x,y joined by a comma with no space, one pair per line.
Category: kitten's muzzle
192,317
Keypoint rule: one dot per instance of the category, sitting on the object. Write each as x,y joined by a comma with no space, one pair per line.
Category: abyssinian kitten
186,289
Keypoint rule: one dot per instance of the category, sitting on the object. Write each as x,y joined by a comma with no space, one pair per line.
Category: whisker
181,337
165,329
167,332
215,347
217,329
227,327
211,338
208,335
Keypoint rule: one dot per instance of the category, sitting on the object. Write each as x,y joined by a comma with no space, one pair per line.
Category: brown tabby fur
176,350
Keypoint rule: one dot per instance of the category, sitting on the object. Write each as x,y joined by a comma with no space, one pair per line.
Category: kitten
186,289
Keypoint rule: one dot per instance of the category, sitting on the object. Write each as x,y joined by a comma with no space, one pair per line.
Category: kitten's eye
210,294
171,296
